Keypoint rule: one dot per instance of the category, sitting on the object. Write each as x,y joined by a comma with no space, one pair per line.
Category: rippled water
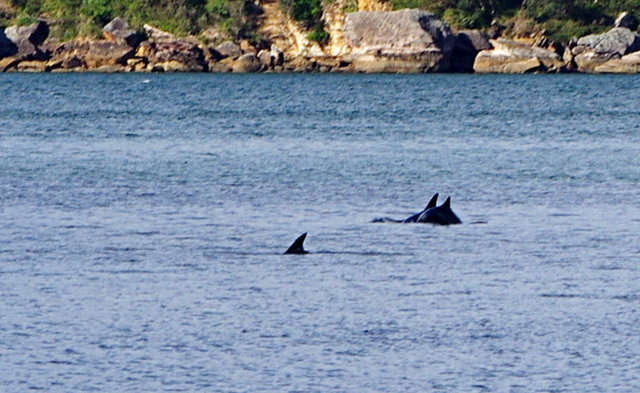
143,218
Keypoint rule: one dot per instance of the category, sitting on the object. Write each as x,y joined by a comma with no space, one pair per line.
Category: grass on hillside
562,19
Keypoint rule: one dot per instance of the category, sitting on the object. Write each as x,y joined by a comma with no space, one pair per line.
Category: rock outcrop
83,55
468,44
22,43
169,53
617,41
512,57
627,64
398,41
228,49
285,33
363,41
248,62
596,49
32,66
119,30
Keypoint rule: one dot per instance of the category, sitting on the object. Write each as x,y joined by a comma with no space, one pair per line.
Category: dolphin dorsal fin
447,203
432,202
298,245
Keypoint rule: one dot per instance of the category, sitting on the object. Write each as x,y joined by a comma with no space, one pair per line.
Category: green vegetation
309,13
26,20
350,6
562,19
318,35
71,18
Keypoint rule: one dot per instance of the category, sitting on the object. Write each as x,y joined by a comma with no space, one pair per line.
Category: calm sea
143,220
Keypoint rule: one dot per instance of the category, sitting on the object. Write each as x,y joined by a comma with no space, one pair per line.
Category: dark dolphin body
441,215
432,214
430,205
298,246
413,218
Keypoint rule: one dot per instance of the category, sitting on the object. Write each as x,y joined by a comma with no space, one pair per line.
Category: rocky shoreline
405,41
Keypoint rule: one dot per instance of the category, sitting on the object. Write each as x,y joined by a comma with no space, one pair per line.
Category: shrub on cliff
71,18
562,19
99,11
309,13
318,35
463,13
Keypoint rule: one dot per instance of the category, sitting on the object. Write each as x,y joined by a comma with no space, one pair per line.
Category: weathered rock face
24,42
121,52
398,41
334,17
628,64
229,49
617,41
516,58
265,58
248,62
8,64
271,59
169,53
180,51
468,44
376,40
588,61
276,27
247,47
32,66
593,50
156,34
89,54
277,55
119,30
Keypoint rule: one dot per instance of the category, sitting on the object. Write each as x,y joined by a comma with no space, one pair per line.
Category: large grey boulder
270,58
596,49
90,54
119,30
24,41
228,49
617,41
408,40
171,53
248,62
516,58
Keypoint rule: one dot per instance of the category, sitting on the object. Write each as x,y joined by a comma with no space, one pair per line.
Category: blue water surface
143,220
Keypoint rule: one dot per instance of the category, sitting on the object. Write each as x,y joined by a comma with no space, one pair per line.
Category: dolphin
298,246
413,218
430,205
441,215
432,214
